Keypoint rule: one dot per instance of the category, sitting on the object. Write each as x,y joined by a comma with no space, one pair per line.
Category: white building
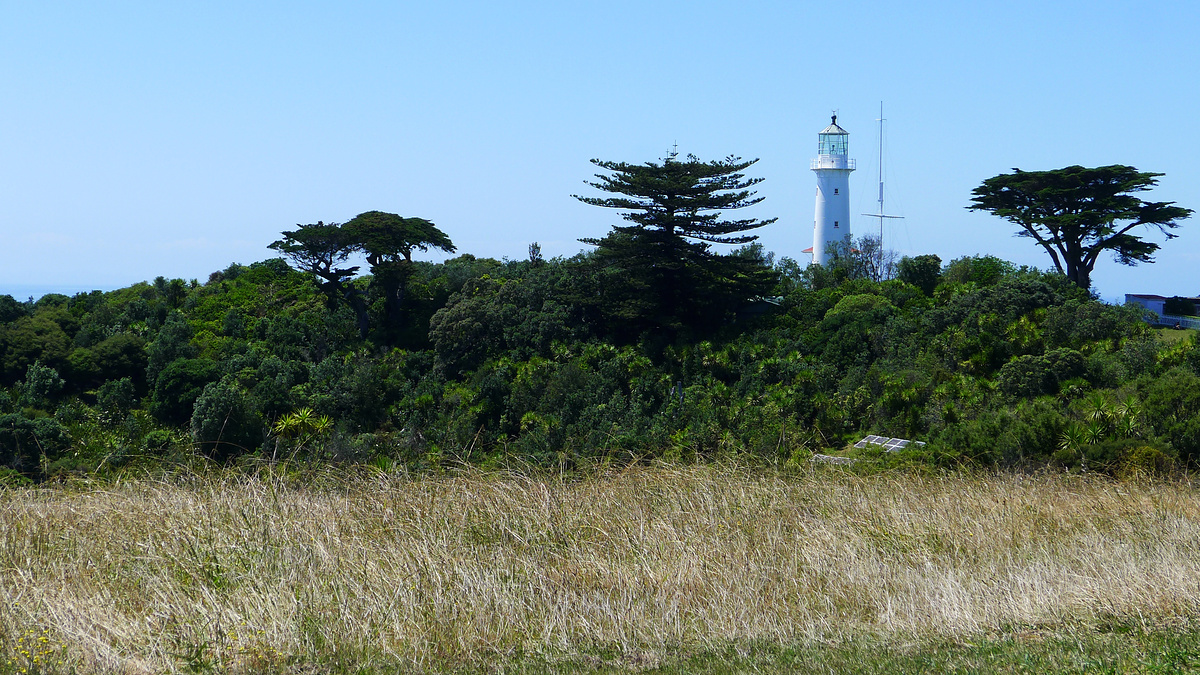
831,229
1154,303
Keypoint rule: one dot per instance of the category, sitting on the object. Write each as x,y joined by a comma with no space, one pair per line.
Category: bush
24,442
157,440
1123,457
40,385
1172,407
923,271
1066,364
115,398
12,478
176,389
1025,436
1026,376
222,423
1145,458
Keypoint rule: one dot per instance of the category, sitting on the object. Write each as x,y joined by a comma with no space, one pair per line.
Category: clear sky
140,139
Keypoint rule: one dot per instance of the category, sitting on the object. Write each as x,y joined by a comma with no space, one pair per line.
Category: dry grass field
383,572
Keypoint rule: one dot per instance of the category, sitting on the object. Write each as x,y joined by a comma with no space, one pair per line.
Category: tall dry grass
149,576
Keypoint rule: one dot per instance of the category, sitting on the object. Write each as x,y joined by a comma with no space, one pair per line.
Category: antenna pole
881,211
881,214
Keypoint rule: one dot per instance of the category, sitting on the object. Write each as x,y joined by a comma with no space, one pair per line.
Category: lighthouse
831,231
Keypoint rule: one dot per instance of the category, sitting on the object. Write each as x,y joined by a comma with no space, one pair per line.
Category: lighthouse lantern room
831,230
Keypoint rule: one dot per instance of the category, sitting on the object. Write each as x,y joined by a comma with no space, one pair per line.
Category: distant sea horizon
23,292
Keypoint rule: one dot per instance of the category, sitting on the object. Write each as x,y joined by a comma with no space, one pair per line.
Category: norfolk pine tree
1077,213
663,274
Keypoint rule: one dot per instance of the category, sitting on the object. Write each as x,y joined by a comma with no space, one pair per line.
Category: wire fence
1173,320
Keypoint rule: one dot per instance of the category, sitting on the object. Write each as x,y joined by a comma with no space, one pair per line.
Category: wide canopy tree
664,273
387,237
320,249
1077,213
388,242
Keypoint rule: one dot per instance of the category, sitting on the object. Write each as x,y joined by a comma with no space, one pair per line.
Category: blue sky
140,139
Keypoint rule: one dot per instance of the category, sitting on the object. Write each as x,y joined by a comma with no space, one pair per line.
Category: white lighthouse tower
833,167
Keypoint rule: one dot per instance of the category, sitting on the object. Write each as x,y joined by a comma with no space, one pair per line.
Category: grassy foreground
695,569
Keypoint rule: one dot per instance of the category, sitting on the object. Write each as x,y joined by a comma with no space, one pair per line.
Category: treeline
541,362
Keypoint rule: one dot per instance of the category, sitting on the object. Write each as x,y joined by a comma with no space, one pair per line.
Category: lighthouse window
835,223
835,191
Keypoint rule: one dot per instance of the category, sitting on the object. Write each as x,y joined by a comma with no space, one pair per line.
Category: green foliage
44,337
40,386
10,309
1172,409
116,398
1032,375
923,271
319,249
388,240
178,386
223,425
351,389
1027,376
120,356
174,341
981,270
528,362
852,331
1024,436
301,428
522,313
26,443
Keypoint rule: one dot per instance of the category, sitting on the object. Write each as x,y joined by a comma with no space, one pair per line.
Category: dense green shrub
173,342
223,425
178,386
923,272
11,310
1027,376
25,442
1128,457
115,398
40,386
1172,409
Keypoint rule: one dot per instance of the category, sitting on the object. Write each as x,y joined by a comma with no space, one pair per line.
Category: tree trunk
354,297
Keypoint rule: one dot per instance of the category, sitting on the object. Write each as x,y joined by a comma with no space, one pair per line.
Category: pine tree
661,271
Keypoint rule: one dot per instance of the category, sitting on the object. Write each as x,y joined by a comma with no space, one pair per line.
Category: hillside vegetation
500,363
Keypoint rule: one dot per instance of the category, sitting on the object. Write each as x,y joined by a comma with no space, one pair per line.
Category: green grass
1173,336
1119,649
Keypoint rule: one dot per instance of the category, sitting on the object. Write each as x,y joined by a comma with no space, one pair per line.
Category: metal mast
881,214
